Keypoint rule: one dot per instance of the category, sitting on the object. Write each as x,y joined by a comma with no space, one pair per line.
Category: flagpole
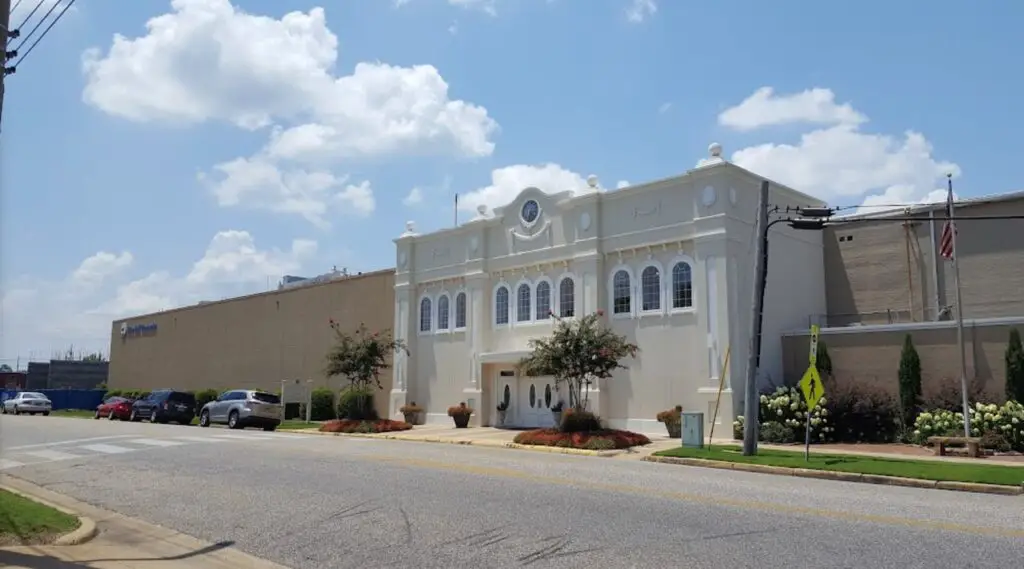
959,310
456,210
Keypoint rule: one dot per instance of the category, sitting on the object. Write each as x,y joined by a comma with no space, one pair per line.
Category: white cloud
639,10
507,182
40,317
621,184
207,60
487,6
839,162
415,197
764,108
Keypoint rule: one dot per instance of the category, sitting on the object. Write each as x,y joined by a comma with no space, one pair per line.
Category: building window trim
460,294
575,295
508,304
670,285
516,303
639,287
631,296
429,313
538,316
443,295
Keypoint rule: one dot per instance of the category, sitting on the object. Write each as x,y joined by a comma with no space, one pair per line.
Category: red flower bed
357,426
607,439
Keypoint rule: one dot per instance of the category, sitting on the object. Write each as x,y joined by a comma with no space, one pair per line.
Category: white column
711,289
477,299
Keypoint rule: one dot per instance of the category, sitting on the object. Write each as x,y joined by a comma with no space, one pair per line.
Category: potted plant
412,413
460,414
502,412
673,420
556,412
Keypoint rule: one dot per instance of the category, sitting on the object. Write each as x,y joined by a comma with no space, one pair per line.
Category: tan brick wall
254,341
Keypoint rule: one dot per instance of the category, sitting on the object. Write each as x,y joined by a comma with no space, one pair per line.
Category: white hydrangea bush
784,418
1006,421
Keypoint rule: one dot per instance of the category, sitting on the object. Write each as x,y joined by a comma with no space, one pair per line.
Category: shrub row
1001,427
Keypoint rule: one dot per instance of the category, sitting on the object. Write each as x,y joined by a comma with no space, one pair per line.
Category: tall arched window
460,310
523,303
425,307
501,305
621,293
567,298
443,315
543,300
650,289
682,285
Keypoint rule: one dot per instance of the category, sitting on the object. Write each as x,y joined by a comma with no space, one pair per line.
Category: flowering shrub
607,439
360,426
987,419
784,418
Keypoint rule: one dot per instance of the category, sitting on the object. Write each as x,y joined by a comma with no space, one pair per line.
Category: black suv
165,405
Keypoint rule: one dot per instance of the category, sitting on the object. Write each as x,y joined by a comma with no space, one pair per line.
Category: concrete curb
470,442
843,476
85,531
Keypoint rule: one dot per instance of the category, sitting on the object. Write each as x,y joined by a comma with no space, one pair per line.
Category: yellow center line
701,499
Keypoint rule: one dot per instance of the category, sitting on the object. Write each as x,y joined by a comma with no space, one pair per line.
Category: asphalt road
317,502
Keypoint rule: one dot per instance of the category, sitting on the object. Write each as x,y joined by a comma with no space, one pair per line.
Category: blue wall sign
137,329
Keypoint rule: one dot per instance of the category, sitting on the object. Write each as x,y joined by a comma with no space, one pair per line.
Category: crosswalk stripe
155,442
6,463
201,439
107,449
51,454
240,437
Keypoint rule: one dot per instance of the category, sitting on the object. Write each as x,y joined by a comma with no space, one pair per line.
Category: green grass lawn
76,413
23,521
921,469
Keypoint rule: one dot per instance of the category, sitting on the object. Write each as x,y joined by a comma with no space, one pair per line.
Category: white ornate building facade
669,262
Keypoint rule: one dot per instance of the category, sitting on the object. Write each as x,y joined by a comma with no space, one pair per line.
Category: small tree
361,357
578,353
910,382
1015,367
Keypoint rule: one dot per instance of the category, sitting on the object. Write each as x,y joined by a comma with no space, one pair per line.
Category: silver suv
241,408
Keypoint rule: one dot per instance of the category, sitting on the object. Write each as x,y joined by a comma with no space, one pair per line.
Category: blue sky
114,204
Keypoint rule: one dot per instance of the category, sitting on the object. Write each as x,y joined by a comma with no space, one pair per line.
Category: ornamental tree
361,357
578,352
1015,368
909,382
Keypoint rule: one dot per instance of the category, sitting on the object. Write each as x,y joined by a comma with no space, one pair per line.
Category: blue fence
66,398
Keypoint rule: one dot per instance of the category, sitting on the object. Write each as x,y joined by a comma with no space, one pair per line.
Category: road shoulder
121,542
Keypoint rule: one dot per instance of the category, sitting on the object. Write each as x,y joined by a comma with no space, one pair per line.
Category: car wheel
3,409
233,420
134,417
270,428
46,413
16,412
97,415
110,416
204,419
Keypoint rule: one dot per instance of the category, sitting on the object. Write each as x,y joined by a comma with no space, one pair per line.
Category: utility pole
750,401
5,34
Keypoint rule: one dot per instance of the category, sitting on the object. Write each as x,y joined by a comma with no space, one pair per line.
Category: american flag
949,228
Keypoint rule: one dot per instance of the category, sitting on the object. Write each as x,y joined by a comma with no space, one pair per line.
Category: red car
115,408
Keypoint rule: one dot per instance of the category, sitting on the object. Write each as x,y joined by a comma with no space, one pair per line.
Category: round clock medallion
530,212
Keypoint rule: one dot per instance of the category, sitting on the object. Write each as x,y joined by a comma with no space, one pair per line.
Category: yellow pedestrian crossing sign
812,387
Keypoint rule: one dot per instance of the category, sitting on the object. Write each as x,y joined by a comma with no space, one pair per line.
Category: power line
27,18
39,23
16,4
22,56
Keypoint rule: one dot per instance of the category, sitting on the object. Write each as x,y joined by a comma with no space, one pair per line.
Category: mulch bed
608,439
359,426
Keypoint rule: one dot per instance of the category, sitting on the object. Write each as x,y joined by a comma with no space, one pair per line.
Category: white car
27,402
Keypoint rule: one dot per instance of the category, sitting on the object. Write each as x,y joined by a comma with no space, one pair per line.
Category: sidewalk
122,543
493,437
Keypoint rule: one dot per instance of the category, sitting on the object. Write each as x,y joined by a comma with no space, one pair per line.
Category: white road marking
107,449
240,437
67,442
201,440
51,455
155,442
5,463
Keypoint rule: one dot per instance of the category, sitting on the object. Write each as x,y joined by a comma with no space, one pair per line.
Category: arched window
460,310
523,299
425,315
682,285
443,313
650,289
543,300
621,293
501,305
567,298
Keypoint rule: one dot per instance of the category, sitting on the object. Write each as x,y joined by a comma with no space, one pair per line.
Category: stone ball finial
481,209
592,181
715,150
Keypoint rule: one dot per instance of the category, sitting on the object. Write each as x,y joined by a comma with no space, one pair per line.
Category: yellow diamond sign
812,387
